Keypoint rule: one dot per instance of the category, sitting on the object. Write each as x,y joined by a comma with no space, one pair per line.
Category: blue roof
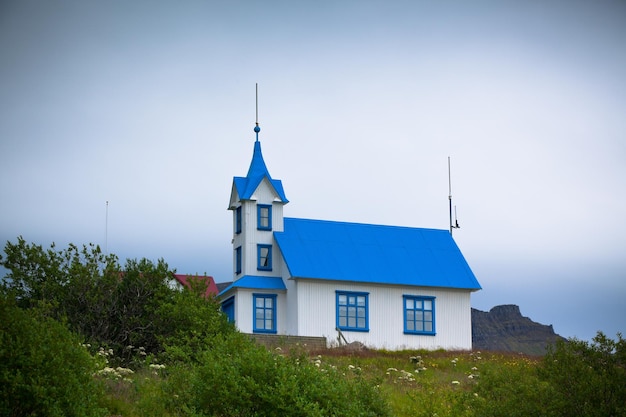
258,170
257,283
373,254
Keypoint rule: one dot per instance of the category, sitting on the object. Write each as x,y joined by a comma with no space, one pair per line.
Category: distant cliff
504,328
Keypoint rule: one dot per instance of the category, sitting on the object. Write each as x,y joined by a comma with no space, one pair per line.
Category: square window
264,257
264,216
419,315
352,311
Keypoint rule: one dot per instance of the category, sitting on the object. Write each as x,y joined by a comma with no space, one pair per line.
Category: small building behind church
388,287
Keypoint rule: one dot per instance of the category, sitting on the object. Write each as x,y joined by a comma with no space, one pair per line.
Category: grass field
414,383
428,383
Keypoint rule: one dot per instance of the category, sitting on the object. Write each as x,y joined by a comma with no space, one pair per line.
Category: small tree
123,308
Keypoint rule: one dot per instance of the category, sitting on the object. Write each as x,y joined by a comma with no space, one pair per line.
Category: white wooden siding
244,310
250,236
317,316
292,313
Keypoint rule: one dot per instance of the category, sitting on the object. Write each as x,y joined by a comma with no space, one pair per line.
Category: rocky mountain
503,328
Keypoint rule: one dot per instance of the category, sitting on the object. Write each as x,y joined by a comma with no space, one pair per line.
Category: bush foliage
122,308
187,360
236,377
44,369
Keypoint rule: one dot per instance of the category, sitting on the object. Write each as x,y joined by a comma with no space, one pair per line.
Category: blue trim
419,314
264,216
264,260
352,311
264,313
238,260
238,220
256,282
228,308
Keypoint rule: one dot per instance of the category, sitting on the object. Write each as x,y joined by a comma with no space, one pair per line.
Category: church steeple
257,202
246,186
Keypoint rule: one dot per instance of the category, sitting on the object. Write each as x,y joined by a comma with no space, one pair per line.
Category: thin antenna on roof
257,129
454,225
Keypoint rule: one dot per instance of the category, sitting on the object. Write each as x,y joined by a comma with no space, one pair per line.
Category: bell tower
256,201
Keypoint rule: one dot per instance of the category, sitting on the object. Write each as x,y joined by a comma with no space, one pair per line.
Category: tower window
238,220
238,260
264,257
264,217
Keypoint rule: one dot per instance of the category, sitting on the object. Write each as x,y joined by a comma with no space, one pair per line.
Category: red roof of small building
185,281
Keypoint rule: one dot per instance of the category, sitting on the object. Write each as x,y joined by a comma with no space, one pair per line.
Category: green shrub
236,377
512,388
44,369
588,377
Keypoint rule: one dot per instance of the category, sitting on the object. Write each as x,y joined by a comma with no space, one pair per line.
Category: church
387,287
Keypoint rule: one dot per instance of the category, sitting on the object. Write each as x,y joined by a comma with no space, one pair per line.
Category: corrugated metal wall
244,313
316,305
250,236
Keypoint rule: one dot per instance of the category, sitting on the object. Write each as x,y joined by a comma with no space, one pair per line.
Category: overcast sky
151,105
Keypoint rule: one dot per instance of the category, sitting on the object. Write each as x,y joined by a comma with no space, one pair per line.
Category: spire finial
257,129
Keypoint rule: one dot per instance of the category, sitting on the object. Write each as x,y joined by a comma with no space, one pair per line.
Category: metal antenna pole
257,129
106,230
450,195
455,224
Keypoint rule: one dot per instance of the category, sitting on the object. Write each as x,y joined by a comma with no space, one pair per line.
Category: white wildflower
124,371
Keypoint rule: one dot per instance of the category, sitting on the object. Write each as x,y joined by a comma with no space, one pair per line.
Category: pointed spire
247,185
257,166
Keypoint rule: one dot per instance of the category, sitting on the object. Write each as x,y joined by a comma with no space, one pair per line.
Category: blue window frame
264,216
238,220
264,313
264,257
238,260
352,311
228,308
419,314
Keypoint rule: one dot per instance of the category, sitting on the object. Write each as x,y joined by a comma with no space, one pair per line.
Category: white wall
317,316
244,310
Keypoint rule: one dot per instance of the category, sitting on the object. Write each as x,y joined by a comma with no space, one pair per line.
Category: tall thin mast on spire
257,129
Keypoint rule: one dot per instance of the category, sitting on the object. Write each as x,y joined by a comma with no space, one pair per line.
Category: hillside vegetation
80,335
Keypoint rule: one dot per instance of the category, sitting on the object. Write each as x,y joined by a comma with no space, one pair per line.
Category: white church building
388,287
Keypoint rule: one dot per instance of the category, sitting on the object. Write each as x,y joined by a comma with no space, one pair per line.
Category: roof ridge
364,224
